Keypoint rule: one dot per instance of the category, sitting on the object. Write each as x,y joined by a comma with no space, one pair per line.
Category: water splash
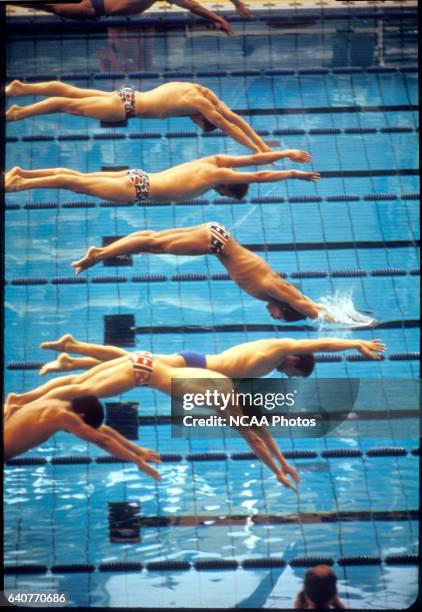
341,309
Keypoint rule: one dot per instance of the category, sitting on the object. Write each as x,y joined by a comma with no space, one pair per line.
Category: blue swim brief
193,359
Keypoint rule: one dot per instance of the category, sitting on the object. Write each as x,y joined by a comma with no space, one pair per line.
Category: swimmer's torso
182,182
248,270
251,359
29,426
167,100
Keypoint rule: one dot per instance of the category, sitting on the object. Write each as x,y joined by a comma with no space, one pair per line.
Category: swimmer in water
247,269
177,184
247,360
94,9
174,99
114,370
141,368
29,425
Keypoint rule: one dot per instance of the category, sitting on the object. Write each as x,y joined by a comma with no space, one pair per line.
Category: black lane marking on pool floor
344,244
278,519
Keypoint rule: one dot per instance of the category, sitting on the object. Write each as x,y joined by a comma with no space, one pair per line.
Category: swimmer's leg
101,186
66,363
97,351
81,10
186,241
108,379
107,108
60,384
52,88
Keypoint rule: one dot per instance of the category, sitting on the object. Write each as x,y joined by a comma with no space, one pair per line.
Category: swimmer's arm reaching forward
194,7
235,161
242,9
369,348
111,441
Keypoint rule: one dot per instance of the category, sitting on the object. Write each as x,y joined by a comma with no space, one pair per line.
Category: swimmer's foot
12,398
13,181
306,176
15,88
13,113
62,344
91,258
63,363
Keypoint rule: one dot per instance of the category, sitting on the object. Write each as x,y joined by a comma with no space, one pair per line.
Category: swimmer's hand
324,314
299,156
242,9
282,477
222,25
147,455
371,348
305,176
286,468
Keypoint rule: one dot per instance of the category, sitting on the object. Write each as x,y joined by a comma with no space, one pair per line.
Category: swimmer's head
297,365
90,409
233,190
284,312
205,125
320,586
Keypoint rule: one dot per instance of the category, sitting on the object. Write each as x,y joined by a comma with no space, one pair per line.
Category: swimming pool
218,531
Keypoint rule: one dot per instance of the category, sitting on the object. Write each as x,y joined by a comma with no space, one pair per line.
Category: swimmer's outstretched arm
194,7
234,161
273,448
266,176
260,448
109,440
229,123
370,348
147,455
242,9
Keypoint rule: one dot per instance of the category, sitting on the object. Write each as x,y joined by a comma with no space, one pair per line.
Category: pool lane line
210,564
334,453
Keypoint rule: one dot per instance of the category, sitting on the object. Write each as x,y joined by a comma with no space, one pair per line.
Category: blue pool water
352,95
